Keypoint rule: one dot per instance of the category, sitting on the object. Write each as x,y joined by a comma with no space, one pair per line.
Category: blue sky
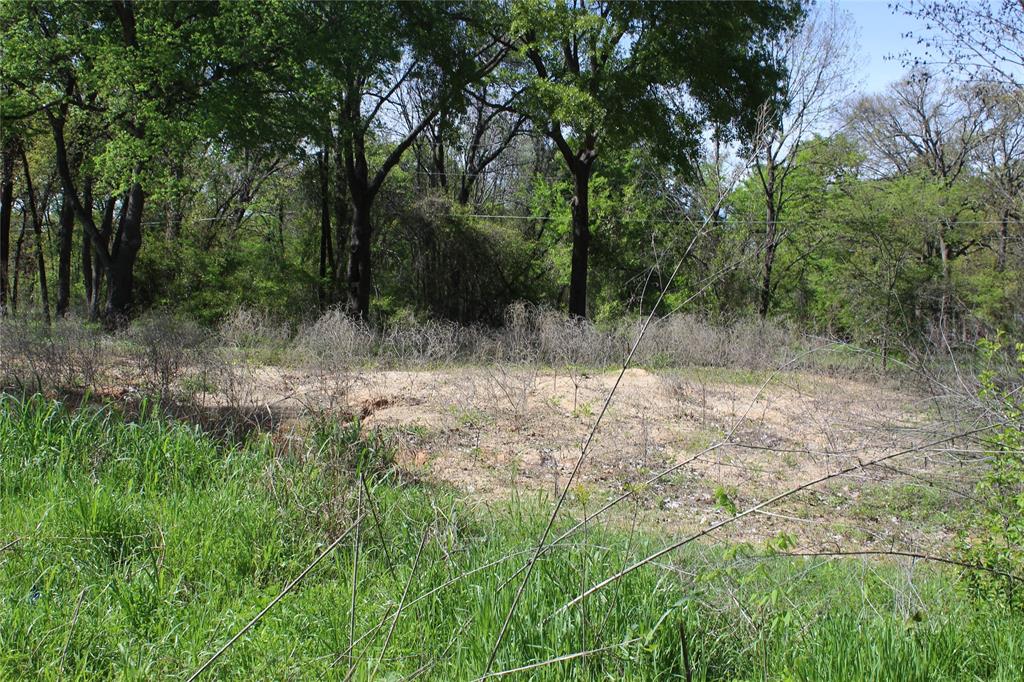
880,36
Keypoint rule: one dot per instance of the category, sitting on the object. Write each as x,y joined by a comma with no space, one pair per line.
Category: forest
203,157
540,339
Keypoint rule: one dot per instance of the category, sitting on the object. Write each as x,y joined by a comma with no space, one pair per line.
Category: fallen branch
911,555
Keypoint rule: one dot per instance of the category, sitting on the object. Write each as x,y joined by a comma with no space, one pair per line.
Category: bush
998,543
456,267
65,356
165,346
249,329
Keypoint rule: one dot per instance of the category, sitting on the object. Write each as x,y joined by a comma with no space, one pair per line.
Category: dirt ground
734,438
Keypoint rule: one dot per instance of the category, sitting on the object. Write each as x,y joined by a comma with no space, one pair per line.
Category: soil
734,438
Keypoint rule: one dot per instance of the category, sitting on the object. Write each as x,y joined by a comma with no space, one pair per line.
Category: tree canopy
448,159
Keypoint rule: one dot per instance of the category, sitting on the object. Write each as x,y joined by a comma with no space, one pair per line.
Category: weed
583,409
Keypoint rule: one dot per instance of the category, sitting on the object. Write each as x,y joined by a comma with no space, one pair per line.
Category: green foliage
610,86
442,263
144,87
723,499
207,282
998,542
222,111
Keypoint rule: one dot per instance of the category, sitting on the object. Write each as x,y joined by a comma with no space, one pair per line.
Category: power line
727,222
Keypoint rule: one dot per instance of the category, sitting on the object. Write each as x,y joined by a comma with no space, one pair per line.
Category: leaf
723,500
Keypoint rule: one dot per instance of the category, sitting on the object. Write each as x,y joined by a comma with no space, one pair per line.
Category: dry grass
499,411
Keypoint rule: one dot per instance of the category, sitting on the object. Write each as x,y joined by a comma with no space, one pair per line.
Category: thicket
998,540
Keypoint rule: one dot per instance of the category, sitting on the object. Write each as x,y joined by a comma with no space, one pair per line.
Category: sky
881,42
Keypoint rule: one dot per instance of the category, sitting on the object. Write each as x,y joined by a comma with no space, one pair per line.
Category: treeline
447,159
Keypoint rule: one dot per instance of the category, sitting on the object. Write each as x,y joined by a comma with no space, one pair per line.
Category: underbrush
137,548
173,359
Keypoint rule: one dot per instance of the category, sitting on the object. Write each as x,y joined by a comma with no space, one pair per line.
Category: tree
62,59
359,81
398,44
1001,158
150,77
982,40
616,74
34,214
6,209
466,145
819,61
925,128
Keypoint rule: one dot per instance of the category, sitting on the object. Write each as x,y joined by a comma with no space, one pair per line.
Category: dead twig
355,581
380,527
757,507
557,659
71,630
903,553
401,602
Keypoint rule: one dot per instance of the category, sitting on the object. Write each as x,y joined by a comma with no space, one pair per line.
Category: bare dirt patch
512,430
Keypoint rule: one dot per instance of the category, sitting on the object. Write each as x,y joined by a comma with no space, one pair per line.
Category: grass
922,505
142,546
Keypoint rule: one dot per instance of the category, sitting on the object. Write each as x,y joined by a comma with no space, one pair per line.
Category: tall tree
398,43
610,73
458,150
982,40
6,209
489,129
926,128
64,240
37,228
151,76
923,125
1001,159
819,62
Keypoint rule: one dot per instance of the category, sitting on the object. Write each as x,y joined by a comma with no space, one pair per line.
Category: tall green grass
142,546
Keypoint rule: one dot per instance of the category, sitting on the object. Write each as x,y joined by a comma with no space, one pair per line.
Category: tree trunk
363,190
17,262
944,303
37,229
439,176
361,193
120,274
580,240
465,187
326,249
1004,237
92,266
770,247
87,271
99,243
67,224
6,207
176,206
358,275
341,222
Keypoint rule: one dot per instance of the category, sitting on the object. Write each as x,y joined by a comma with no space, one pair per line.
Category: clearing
731,438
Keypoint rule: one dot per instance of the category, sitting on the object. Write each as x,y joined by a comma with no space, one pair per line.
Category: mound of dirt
728,439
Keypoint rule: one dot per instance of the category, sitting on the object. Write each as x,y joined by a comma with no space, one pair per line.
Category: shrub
250,329
165,345
998,543
66,356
